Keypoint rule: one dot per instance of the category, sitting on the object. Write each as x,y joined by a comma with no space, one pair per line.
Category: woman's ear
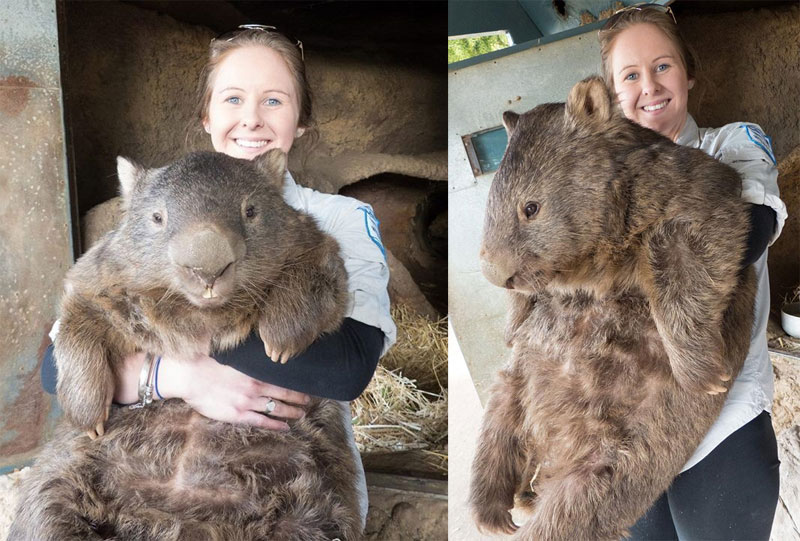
205,125
300,131
691,84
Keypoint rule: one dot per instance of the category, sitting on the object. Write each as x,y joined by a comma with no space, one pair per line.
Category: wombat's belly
170,459
597,376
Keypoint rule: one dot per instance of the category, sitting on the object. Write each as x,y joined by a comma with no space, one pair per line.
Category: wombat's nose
497,275
207,253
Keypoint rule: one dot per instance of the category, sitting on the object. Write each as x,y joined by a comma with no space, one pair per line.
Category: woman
254,96
729,487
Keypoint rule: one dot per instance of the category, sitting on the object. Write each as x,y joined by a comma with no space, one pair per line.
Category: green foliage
461,49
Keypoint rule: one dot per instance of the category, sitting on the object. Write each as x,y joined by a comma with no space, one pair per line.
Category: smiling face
650,79
254,104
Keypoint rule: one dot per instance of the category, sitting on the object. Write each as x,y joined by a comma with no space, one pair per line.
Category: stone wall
750,71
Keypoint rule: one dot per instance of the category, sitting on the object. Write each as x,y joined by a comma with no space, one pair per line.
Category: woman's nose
251,118
649,85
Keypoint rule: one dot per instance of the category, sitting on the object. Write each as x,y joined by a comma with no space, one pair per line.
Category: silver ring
270,407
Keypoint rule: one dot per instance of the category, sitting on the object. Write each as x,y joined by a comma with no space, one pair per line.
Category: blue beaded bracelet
158,363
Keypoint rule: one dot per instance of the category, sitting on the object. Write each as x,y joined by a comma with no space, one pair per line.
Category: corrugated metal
35,245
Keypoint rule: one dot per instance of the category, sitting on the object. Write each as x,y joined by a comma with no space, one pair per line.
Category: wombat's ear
273,164
589,100
510,119
130,174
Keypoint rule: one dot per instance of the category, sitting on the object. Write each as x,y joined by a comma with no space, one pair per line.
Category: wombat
629,315
206,251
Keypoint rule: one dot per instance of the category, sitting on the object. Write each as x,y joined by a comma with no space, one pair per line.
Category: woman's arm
338,365
746,148
762,227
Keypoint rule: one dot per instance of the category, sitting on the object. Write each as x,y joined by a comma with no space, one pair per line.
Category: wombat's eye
531,209
157,218
250,211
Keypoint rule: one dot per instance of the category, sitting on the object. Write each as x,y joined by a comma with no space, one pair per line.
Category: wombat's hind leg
500,458
57,502
597,501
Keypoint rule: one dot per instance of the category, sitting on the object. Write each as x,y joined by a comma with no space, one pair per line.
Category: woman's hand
126,379
214,390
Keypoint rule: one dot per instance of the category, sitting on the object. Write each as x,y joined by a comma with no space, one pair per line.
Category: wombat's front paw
708,377
87,410
493,517
282,344
99,428
277,355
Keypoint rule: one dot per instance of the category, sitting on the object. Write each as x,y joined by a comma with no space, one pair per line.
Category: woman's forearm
338,365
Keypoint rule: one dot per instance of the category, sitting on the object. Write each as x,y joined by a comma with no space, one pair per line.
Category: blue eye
234,100
631,77
272,101
662,67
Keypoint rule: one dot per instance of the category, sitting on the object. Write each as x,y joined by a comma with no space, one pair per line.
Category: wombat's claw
716,389
97,431
277,356
497,523
508,527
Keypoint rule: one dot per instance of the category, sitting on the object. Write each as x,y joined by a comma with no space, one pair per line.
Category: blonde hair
221,48
656,16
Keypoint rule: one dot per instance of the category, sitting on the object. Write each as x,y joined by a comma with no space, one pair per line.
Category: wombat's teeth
251,144
209,293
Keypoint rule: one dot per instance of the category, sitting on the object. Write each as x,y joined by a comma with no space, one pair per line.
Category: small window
463,47
485,149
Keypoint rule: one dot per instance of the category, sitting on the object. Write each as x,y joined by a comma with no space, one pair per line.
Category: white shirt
354,226
744,147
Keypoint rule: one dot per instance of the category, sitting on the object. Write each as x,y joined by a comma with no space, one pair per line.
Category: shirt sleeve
337,365
762,224
746,148
356,228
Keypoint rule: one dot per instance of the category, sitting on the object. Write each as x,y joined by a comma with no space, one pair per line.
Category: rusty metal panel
35,239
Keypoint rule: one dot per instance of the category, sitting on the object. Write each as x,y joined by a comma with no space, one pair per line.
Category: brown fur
166,472
629,316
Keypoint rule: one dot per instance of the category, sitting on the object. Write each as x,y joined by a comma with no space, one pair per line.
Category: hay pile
9,496
404,408
420,352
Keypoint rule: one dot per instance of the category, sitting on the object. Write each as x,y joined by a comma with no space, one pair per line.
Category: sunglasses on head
614,19
228,36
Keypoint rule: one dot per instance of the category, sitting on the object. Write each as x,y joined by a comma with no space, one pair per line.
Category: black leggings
731,494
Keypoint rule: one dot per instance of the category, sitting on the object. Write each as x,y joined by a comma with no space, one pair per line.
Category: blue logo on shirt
371,223
760,139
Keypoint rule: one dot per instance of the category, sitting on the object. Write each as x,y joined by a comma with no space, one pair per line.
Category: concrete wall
750,70
35,246
478,96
